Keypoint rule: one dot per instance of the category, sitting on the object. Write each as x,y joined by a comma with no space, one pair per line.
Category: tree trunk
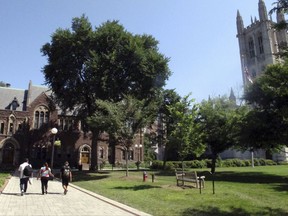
165,156
94,151
126,158
213,165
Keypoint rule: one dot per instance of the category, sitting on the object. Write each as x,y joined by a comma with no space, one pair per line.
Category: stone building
259,43
26,120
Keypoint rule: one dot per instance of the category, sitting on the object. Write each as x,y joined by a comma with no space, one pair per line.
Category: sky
199,37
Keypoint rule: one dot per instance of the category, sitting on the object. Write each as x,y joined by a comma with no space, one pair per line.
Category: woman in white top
44,173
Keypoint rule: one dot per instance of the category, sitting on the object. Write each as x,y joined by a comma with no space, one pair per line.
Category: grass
3,176
238,191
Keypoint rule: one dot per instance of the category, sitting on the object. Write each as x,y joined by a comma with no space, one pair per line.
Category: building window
11,128
1,127
251,48
66,124
36,120
101,153
41,116
123,154
260,44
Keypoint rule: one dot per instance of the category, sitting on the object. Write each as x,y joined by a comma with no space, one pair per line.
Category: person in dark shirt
66,176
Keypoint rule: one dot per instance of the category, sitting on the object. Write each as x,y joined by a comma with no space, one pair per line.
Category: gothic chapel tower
258,43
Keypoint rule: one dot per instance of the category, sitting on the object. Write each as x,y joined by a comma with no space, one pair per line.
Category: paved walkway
78,201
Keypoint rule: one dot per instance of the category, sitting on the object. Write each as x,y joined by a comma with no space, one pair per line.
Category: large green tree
266,125
86,64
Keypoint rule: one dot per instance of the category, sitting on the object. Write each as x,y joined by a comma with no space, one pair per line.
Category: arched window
12,121
101,153
41,116
36,119
251,47
260,43
1,127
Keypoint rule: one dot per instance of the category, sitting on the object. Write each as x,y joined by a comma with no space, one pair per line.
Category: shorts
65,181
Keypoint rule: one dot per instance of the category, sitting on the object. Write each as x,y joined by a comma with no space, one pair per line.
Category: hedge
171,165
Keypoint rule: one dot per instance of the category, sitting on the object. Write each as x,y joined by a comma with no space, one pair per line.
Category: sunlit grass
3,177
238,191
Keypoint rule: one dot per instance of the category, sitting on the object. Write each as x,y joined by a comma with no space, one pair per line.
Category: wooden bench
182,177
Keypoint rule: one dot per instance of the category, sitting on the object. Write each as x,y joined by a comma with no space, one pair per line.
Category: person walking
44,174
25,171
66,176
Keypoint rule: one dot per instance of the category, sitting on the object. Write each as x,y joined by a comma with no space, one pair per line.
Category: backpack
66,172
27,171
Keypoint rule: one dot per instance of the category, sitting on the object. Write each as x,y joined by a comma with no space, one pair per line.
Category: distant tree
123,120
218,118
2,84
186,132
166,122
106,63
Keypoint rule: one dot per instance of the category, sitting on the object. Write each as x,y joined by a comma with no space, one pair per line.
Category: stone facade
258,44
26,120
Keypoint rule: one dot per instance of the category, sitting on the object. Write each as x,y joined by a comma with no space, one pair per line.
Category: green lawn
238,191
3,176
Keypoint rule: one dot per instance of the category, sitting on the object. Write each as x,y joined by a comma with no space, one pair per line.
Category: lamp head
54,130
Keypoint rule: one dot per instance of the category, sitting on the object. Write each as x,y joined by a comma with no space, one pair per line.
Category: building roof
20,98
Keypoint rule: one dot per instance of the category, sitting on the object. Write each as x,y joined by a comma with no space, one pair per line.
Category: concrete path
77,201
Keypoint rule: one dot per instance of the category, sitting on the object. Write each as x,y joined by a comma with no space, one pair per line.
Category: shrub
157,164
170,166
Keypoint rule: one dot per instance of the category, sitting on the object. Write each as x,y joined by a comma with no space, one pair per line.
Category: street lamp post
54,132
139,146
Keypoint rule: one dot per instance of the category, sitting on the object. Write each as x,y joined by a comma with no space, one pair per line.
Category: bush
157,164
207,163
170,166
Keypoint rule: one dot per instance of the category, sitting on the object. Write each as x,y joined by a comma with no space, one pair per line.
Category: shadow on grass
137,187
251,178
280,182
212,211
89,176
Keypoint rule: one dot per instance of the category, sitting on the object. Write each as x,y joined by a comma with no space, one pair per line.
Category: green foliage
207,163
85,65
185,133
123,119
266,125
219,119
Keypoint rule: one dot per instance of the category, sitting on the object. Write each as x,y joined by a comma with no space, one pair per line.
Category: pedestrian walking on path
25,171
44,174
66,176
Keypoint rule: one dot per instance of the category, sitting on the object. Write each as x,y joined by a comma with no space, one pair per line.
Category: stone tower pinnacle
262,11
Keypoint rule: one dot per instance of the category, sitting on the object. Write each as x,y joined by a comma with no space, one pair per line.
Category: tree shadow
137,187
89,176
213,211
250,178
